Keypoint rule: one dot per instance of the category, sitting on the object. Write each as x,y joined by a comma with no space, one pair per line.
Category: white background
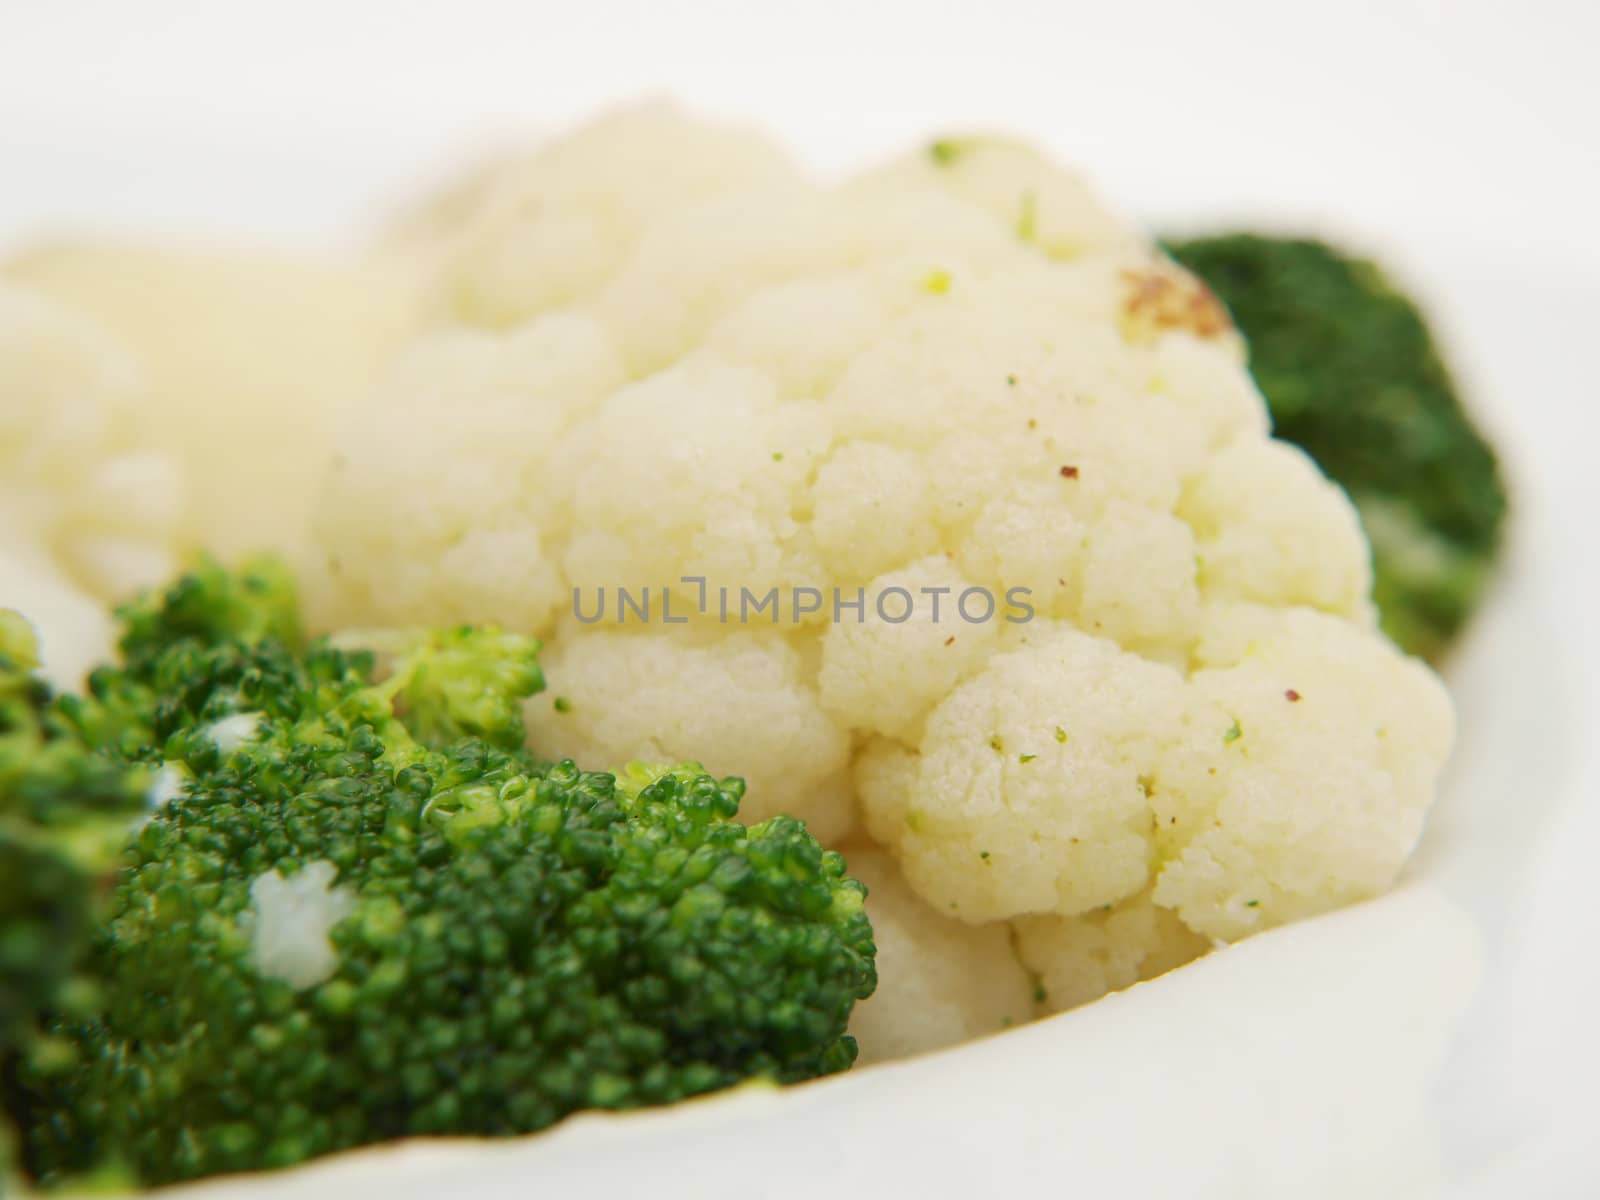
1474,118
1443,1043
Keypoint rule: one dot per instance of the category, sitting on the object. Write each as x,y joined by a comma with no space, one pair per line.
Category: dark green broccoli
1352,375
65,812
363,910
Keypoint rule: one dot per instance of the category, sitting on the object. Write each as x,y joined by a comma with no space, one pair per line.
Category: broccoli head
362,910
212,604
1352,375
65,812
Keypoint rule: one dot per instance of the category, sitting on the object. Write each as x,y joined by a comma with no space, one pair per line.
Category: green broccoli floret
1352,375
212,604
65,813
469,682
366,911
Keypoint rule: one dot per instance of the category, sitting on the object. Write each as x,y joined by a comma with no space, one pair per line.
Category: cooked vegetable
1352,375
244,358
939,981
359,909
82,478
64,817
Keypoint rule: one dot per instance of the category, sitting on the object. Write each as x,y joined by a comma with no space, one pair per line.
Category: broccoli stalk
1352,375
366,911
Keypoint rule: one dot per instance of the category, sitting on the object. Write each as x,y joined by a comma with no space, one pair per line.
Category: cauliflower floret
940,981
959,371
1030,792
1079,959
289,921
1042,204
81,479
703,469
1271,529
990,363
74,629
886,670
533,232
451,512
691,270
1137,579
805,333
1302,776
870,510
662,695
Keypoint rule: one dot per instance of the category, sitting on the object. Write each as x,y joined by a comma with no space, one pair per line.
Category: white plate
1436,1042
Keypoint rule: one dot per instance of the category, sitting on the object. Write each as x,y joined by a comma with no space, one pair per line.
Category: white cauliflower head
958,521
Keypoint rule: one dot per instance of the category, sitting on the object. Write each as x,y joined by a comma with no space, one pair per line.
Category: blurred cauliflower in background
524,234
91,504
658,351
245,359
80,470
